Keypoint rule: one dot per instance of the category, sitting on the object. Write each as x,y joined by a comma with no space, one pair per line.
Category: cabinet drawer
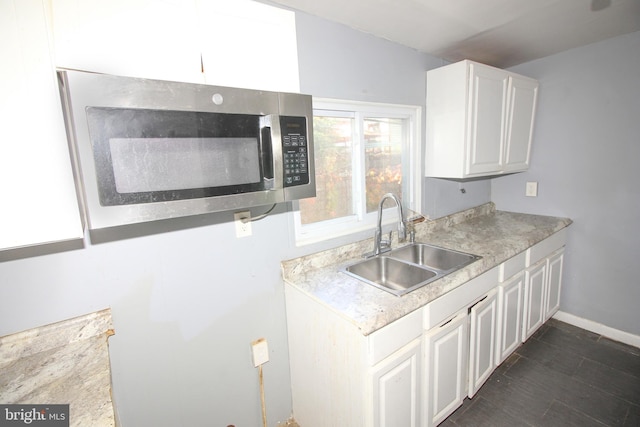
463,296
513,266
387,340
547,246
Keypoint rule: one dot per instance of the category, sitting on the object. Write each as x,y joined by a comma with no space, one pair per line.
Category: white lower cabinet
510,303
396,388
483,328
417,370
543,282
446,348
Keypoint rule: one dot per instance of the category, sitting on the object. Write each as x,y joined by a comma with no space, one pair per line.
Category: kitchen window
362,151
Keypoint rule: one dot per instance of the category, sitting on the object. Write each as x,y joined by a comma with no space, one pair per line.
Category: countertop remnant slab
62,363
494,235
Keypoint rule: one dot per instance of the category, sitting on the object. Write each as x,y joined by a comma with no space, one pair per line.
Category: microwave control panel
295,150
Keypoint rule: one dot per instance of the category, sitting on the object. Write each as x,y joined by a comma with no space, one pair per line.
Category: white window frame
412,179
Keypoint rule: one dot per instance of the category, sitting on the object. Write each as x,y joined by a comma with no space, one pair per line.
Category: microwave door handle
271,147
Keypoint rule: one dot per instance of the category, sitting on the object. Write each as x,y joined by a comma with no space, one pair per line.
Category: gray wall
337,62
585,159
442,197
187,297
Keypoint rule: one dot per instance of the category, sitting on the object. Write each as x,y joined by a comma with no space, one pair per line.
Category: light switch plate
532,189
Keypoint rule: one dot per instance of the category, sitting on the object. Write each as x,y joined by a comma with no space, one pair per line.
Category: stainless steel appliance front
146,149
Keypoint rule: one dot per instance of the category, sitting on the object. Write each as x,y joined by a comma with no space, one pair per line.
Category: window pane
383,158
333,141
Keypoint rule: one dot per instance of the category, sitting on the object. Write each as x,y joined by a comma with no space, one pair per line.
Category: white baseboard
598,328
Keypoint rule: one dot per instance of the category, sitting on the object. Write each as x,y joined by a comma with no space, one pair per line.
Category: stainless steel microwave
145,150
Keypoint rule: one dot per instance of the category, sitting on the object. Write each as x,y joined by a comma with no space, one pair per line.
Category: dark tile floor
562,376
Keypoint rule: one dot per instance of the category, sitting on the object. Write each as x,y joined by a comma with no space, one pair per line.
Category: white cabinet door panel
487,119
396,388
534,297
554,282
482,341
446,358
523,93
510,306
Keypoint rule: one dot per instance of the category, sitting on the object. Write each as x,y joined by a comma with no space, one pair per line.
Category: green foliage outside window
334,164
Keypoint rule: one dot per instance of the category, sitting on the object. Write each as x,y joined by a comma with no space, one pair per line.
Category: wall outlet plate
243,223
260,351
532,189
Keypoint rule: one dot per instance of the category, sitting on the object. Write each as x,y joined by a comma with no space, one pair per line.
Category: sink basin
410,267
432,256
390,274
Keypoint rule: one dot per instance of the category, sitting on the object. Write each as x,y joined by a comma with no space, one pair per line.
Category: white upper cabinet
248,44
36,180
479,121
136,38
238,43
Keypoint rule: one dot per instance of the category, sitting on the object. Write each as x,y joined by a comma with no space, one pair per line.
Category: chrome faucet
379,245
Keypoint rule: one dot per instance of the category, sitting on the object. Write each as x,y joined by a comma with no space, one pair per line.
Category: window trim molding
341,227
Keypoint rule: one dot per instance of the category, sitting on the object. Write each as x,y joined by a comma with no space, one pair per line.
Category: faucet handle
411,225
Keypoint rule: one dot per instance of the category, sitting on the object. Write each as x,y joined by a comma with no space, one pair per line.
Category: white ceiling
501,33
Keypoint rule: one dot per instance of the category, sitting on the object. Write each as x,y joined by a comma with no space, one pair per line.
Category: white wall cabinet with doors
479,121
239,43
417,370
36,180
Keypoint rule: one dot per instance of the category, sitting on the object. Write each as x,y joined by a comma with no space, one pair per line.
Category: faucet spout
380,245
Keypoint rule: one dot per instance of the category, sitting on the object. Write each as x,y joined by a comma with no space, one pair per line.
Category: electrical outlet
532,189
243,223
260,351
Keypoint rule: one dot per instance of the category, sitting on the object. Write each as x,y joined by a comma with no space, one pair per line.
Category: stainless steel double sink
410,267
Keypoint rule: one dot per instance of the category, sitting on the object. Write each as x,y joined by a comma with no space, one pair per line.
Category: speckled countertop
62,363
494,235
